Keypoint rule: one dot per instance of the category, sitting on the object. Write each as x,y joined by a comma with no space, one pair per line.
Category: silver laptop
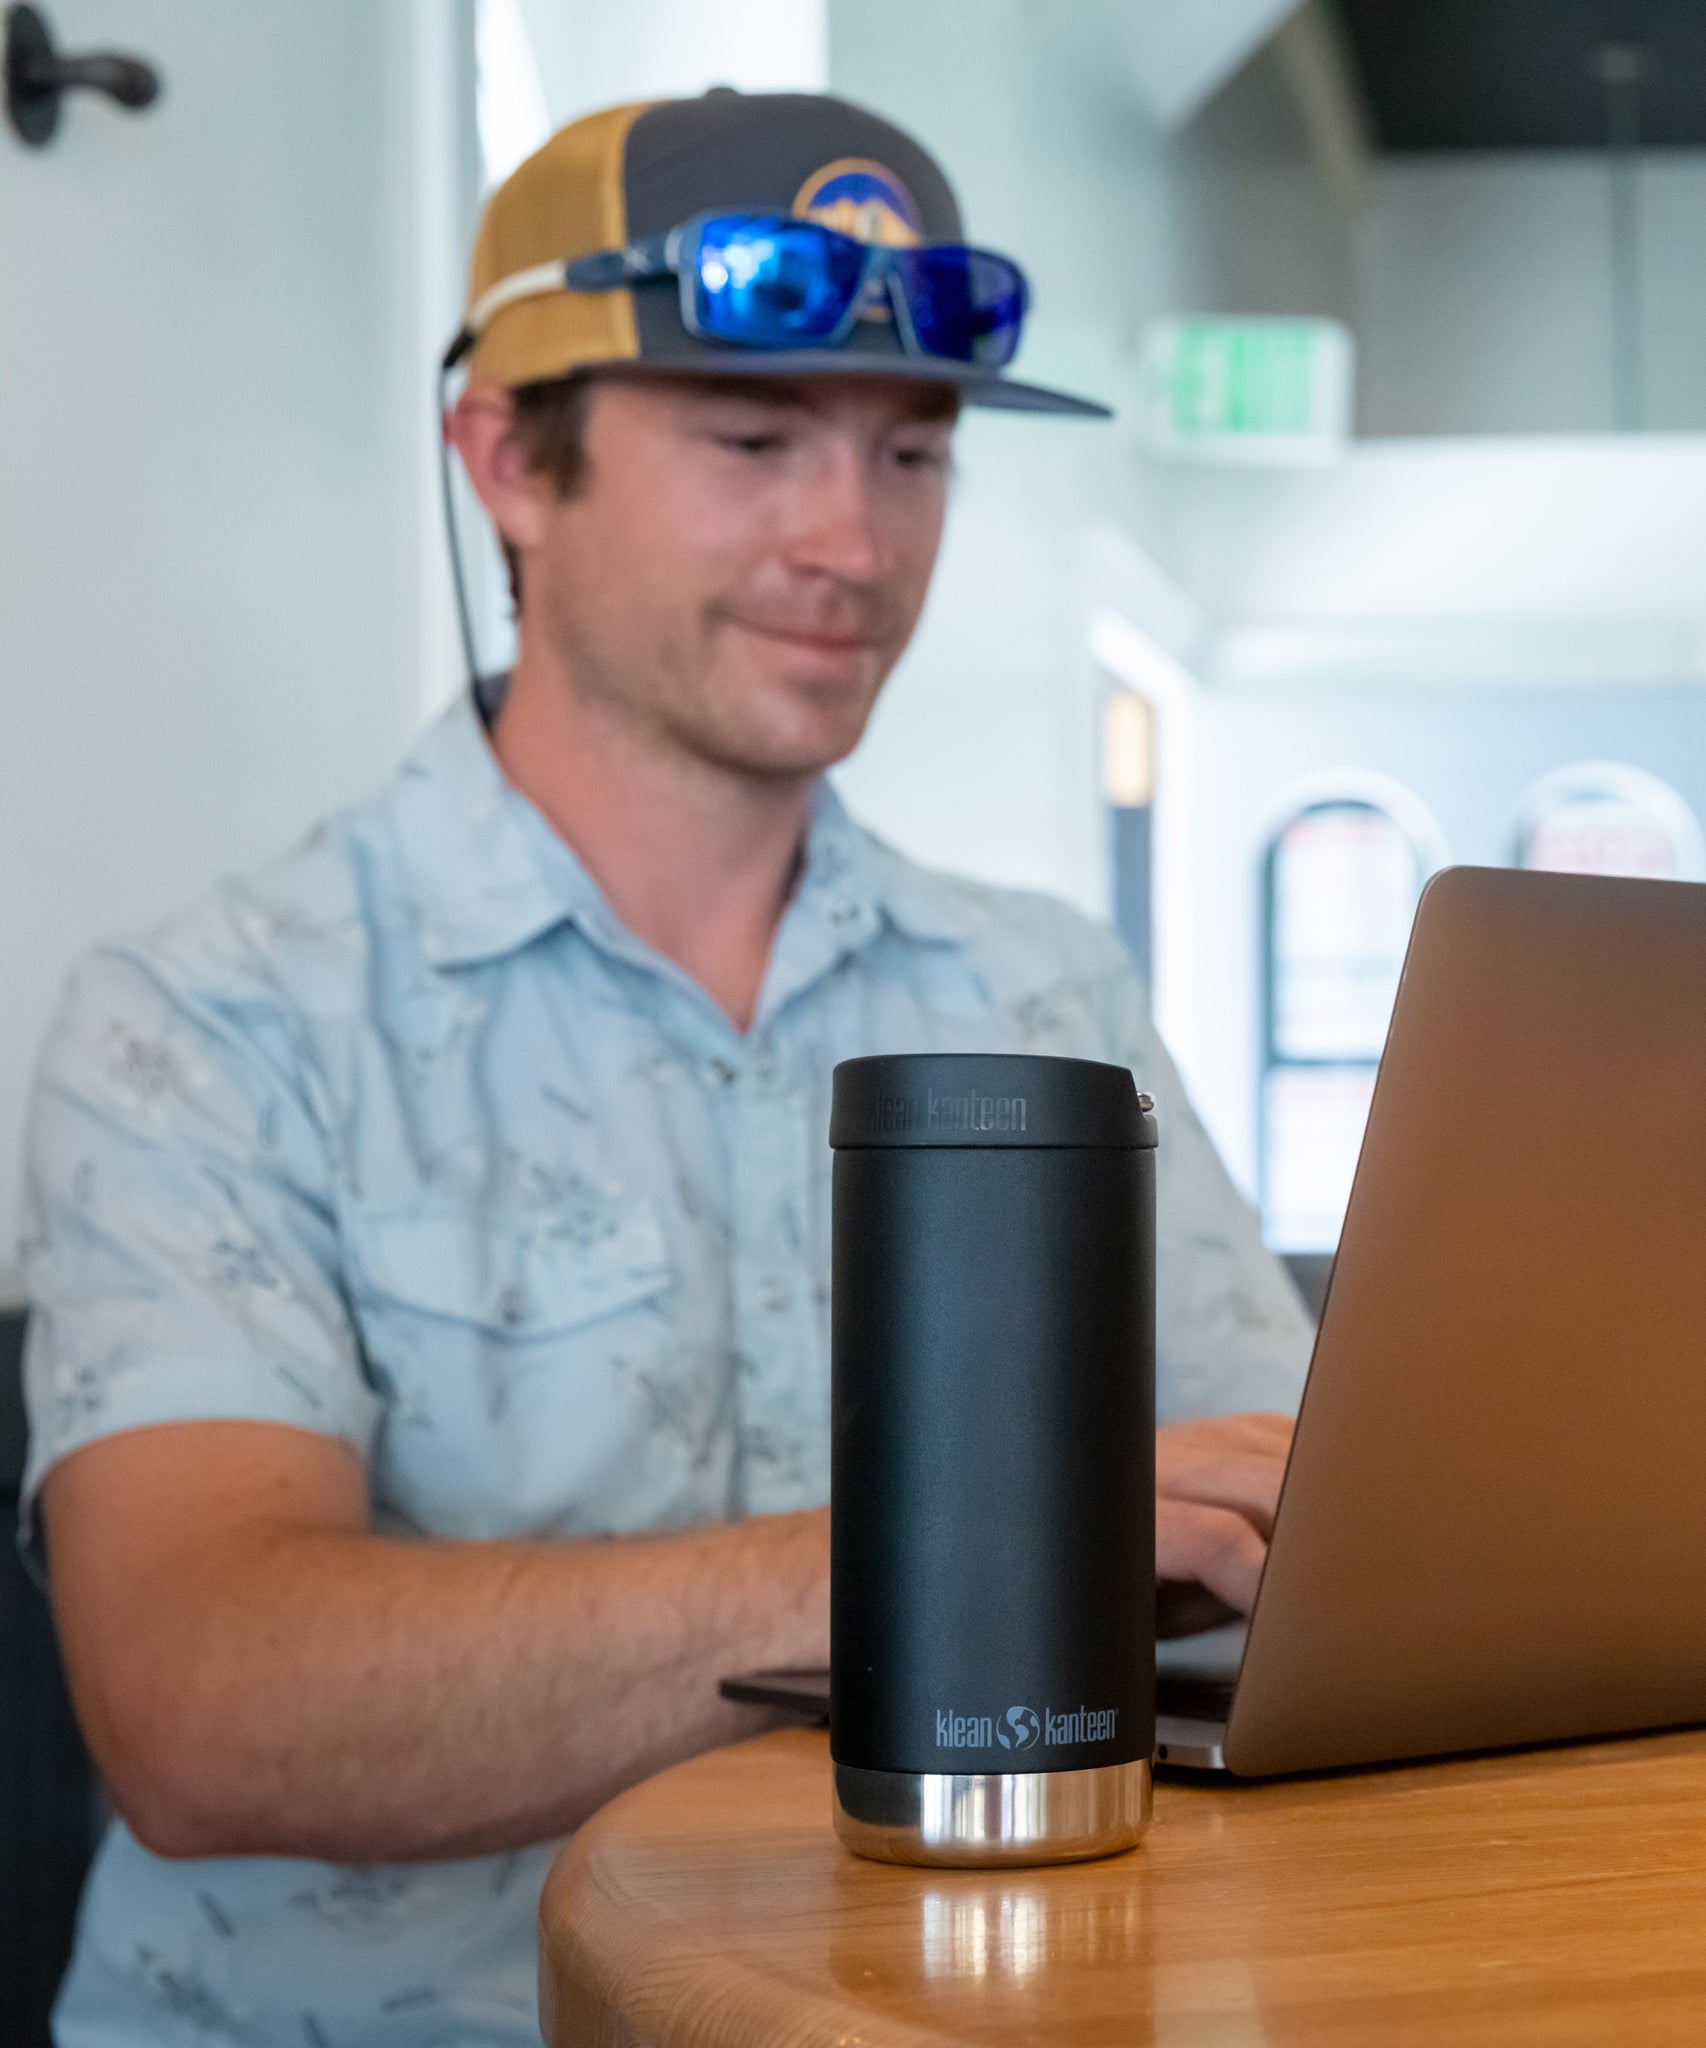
1493,1525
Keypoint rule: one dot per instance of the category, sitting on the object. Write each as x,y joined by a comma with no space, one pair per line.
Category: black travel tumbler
992,1519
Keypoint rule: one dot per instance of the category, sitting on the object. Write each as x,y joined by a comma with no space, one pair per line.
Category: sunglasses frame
676,253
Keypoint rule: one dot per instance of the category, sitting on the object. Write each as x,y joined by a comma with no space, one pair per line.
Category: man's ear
481,428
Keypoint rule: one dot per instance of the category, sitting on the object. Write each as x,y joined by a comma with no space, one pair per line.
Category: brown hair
550,424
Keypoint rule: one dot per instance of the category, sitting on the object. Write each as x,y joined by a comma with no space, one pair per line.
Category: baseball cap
631,172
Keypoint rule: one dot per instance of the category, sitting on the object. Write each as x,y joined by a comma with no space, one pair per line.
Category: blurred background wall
221,588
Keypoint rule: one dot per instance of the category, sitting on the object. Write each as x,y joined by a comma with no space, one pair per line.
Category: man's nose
835,530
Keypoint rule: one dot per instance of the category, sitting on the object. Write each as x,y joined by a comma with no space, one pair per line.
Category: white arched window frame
1605,818
1344,859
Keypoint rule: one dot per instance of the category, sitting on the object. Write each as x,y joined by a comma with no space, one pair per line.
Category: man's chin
787,731
778,761
787,752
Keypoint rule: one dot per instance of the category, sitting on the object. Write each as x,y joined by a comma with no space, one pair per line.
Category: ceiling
1521,74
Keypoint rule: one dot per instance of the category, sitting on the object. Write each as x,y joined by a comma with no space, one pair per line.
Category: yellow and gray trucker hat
619,176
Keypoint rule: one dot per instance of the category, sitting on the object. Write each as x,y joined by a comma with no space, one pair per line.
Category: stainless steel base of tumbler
981,1822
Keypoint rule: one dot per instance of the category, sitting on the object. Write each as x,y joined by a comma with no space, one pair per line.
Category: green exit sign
1264,391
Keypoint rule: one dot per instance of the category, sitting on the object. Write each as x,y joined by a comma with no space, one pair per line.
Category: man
417,1222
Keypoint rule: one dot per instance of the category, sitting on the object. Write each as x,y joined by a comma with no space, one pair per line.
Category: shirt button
721,1072
775,1297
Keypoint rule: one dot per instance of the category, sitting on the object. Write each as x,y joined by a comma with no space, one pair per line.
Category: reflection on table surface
1552,1896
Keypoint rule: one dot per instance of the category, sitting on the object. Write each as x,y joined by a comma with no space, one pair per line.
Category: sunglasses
765,280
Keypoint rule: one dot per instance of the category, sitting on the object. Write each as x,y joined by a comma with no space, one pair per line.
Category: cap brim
976,386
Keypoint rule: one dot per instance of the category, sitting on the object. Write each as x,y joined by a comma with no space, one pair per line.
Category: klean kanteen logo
964,1731
1081,1724
1023,1727
948,1115
1018,1728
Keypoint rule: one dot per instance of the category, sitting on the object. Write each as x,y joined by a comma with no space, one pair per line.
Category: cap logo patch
863,199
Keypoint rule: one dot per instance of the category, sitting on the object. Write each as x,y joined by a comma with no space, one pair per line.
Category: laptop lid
1493,1525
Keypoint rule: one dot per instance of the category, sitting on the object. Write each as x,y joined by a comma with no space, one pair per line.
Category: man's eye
928,457
751,444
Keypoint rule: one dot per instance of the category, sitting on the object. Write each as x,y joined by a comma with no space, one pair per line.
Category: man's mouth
812,638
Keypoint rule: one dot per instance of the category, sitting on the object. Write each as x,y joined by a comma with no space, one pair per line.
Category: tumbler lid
987,1099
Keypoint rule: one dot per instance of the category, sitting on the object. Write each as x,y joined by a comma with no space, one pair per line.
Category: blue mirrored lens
966,304
774,283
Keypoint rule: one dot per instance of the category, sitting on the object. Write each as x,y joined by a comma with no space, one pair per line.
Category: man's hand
1217,1485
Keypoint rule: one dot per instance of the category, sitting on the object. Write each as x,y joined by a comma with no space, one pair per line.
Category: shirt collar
491,874
850,863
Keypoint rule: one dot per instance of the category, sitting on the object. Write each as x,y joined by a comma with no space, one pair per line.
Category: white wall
1485,294
1253,228
593,54
1673,227
221,603
1519,529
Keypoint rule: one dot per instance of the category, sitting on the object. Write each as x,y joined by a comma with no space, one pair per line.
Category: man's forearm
318,1692
373,1701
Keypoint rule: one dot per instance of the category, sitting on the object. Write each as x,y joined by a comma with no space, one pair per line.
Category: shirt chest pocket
424,1276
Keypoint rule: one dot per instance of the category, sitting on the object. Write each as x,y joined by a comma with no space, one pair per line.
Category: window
1599,818
1340,884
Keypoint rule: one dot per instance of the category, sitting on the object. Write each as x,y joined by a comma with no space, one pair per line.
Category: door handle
37,76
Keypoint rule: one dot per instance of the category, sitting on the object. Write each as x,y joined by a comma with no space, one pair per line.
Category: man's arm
257,1673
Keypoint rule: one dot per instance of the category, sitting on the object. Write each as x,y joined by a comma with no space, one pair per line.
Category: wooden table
1551,1897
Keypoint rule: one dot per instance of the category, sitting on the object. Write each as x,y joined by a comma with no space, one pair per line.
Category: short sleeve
180,1246
1232,1333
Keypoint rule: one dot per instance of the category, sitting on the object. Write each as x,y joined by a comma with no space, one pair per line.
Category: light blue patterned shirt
405,1139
